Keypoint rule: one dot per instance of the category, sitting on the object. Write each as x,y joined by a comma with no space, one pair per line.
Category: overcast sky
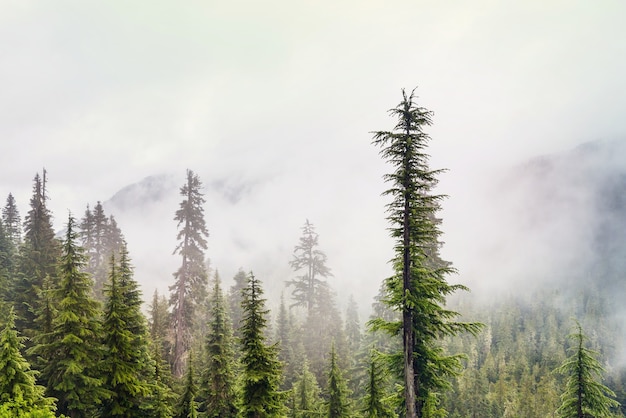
278,98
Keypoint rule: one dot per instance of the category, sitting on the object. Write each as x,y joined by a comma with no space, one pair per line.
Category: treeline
76,343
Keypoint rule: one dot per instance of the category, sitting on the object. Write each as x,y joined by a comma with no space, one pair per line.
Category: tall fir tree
189,288
218,392
37,259
73,349
126,360
311,261
419,287
261,376
19,392
584,395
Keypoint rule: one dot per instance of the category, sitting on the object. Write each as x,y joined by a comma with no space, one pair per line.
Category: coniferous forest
79,338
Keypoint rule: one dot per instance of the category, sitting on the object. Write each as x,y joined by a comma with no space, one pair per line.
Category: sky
276,101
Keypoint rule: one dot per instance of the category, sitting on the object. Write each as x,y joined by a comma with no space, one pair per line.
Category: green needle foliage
418,289
126,357
338,403
73,348
375,401
261,397
187,407
19,393
306,395
218,385
584,395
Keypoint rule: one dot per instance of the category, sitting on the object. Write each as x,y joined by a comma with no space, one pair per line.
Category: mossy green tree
19,392
418,289
217,390
73,350
584,395
260,394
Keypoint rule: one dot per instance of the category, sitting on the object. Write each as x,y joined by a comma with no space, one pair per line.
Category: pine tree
218,383
189,289
73,349
261,377
308,287
159,324
19,393
419,288
37,259
584,395
6,267
126,360
186,407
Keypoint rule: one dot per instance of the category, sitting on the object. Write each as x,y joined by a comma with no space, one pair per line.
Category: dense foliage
75,342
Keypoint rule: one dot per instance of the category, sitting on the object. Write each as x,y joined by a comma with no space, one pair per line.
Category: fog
273,105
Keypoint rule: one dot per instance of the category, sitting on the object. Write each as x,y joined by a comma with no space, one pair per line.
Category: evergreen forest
79,338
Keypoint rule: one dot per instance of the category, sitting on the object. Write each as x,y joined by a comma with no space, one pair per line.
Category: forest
79,338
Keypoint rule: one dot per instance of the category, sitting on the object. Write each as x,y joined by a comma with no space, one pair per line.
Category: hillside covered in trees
79,337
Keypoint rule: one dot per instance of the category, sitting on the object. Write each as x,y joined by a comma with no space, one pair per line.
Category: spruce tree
418,289
19,393
189,288
126,359
218,383
73,350
261,397
37,259
584,395
338,402
159,326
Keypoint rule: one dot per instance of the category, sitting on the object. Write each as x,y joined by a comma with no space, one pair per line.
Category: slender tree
338,401
584,395
218,383
12,221
189,288
19,393
186,407
234,300
419,288
37,259
311,261
375,403
307,402
261,376
73,349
